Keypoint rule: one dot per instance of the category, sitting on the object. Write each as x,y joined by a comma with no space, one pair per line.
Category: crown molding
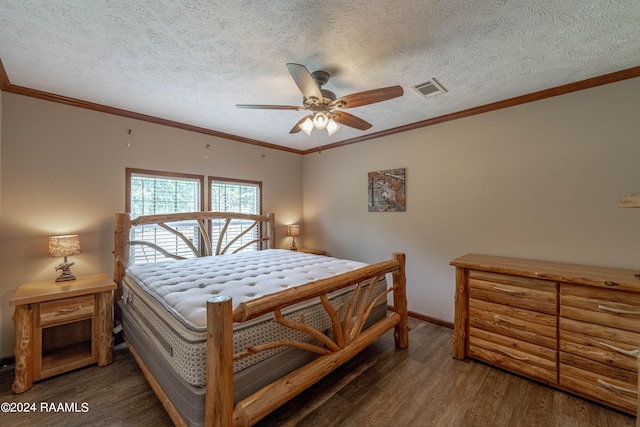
511,102
7,86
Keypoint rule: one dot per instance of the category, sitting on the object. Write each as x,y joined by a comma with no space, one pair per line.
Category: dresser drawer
616,309
611,346
525,325
523,292
485,338
66,310
527,359
614,386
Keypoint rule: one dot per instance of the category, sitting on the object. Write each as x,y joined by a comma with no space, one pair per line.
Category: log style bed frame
348,337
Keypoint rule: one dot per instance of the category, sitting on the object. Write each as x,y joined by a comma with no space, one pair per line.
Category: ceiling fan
326,109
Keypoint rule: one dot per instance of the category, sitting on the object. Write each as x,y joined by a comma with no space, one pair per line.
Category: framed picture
387,191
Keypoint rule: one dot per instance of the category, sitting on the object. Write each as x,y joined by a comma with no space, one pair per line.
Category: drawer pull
521,358
618,310
632,353
64,311
499,319
508,291
616,388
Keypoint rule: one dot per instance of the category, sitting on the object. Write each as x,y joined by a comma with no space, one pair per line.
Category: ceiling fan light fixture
320,120
307,126
332,127
322,103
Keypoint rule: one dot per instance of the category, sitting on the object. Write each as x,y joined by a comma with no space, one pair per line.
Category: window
227,195
152,192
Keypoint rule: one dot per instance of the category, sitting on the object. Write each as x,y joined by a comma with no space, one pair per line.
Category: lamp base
65,274
293,245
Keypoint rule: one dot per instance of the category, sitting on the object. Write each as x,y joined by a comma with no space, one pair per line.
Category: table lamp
63,246
293,231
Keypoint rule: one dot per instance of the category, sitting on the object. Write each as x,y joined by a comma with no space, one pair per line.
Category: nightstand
312,251
61,326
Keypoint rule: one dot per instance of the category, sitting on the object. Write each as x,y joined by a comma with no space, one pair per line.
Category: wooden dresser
574,327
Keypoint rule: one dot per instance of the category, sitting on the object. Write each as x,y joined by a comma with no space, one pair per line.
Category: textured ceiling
192,61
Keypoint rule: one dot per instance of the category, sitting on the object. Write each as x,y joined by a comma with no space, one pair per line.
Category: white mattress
169,300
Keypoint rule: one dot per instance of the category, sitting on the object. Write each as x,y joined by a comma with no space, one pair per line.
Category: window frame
131,172
160,174
212,179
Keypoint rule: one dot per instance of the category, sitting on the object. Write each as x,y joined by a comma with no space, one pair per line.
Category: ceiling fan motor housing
321,77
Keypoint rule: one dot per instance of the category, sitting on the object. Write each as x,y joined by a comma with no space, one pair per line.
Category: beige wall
63,171
540,180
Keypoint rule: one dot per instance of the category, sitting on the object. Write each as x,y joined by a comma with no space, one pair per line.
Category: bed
224,335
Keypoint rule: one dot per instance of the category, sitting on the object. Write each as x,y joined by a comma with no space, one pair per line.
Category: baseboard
427,318
430,319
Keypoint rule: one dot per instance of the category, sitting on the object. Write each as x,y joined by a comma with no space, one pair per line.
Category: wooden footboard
347,340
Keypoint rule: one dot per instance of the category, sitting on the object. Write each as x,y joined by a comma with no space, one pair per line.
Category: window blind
235,196
163,195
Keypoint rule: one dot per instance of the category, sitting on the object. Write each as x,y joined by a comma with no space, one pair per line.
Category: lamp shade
320,120
307,126
293,230
61,246
332,127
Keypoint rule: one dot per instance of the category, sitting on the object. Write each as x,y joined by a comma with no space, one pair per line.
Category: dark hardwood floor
382,386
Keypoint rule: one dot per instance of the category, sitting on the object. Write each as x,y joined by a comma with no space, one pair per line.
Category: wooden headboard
124,224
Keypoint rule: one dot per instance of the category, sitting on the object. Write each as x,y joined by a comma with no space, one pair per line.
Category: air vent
429,88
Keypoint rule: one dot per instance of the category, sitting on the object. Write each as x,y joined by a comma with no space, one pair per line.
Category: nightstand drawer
66,310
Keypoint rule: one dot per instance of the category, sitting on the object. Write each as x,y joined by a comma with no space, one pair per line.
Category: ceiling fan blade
296,128
369,97
350,120
305,82
269,107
